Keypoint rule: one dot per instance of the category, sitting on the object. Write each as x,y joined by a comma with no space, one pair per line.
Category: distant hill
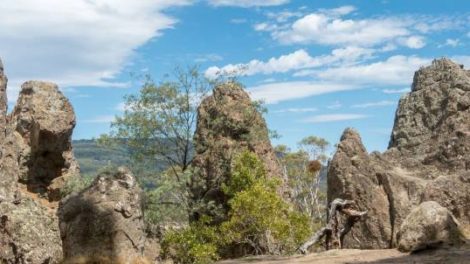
92,157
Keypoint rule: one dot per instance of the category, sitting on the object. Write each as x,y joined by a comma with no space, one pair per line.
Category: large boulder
228,124
44,120
428,158
104,222
429,225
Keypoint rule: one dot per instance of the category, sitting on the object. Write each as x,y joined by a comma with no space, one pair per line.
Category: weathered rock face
44,119
228,124
35,158
429,225
104,221
29,233
427,158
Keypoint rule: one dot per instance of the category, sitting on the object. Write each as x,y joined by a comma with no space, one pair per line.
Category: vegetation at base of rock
229,123
259,221
198,243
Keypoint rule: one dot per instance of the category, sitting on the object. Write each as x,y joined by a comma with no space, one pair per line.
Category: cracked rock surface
428,159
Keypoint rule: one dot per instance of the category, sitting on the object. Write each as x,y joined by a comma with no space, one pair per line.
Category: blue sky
321,66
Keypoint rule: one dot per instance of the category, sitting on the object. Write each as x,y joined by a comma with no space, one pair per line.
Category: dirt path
356,256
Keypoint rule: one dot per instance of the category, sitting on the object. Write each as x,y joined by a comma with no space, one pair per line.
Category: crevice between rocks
382,179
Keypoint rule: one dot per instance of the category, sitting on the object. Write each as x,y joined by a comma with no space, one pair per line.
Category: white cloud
396,91
297,60
413,42
296,110
331,29
374,104
396,70
333,118
77,43
283,16
338,27
247,3
283,91
335,105
341,11
451,43
265,27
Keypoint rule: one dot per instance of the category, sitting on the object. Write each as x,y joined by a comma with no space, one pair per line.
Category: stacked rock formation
228,124
36,158
428,158
104,223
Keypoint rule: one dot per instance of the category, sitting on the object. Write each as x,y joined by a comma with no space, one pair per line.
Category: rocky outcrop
429,225
104,221
44,120
428,158
228,124
36,158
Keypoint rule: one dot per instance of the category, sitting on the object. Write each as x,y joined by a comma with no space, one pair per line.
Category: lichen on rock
428,158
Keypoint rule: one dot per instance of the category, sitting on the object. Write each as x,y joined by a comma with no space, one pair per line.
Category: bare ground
356,256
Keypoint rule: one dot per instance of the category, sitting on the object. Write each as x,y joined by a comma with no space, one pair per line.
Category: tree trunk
334,233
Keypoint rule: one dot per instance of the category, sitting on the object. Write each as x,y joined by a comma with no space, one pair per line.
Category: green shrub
197,243
259,221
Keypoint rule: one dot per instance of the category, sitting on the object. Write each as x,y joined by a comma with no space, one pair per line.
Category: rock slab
427,226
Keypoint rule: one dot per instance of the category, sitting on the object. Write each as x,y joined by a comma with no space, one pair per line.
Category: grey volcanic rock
36,158
428,158
228,124
104,221
429,225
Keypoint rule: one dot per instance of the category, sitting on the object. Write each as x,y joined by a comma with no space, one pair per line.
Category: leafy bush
198,243
259,221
